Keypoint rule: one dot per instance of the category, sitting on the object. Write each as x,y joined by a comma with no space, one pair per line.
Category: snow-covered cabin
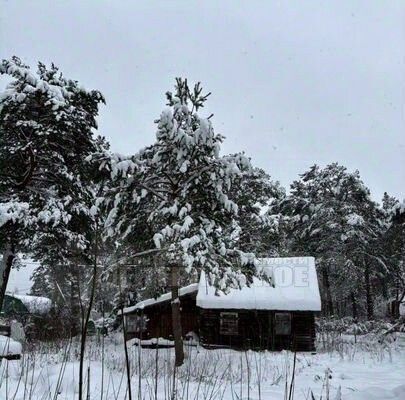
276,313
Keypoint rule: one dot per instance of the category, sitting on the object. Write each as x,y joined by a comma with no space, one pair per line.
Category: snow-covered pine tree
47,125
256,193
179,188
332,217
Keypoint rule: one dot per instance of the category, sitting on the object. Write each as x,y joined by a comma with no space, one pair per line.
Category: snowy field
366,370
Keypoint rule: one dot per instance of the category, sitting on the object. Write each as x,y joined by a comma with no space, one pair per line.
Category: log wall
255,329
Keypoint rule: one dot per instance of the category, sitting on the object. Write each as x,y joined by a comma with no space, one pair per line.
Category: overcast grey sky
293,83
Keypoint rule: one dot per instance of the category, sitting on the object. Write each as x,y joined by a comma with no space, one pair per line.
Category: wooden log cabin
274,314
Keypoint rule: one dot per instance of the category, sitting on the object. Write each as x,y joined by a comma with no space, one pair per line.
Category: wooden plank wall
160,319
256,329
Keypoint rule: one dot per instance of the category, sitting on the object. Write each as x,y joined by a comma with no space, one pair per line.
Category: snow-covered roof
164,297
295,288
35,304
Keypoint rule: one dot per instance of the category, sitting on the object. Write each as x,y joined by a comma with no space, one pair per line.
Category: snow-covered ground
362,371
9,346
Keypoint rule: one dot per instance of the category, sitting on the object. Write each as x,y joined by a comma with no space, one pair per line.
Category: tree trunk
354,305
384,288
85,323
124,332
5,269
369,297
176,317
326,284
75,309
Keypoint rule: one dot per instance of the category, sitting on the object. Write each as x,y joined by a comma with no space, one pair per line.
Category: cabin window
283,324
228,323
136,323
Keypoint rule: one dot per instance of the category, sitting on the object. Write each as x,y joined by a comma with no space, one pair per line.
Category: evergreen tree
256,196
46,133
332,217
175,194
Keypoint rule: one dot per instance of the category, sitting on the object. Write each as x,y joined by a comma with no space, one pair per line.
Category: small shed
274,313
152,318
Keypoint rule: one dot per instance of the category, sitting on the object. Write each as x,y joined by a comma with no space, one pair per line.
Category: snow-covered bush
352,326
347,337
